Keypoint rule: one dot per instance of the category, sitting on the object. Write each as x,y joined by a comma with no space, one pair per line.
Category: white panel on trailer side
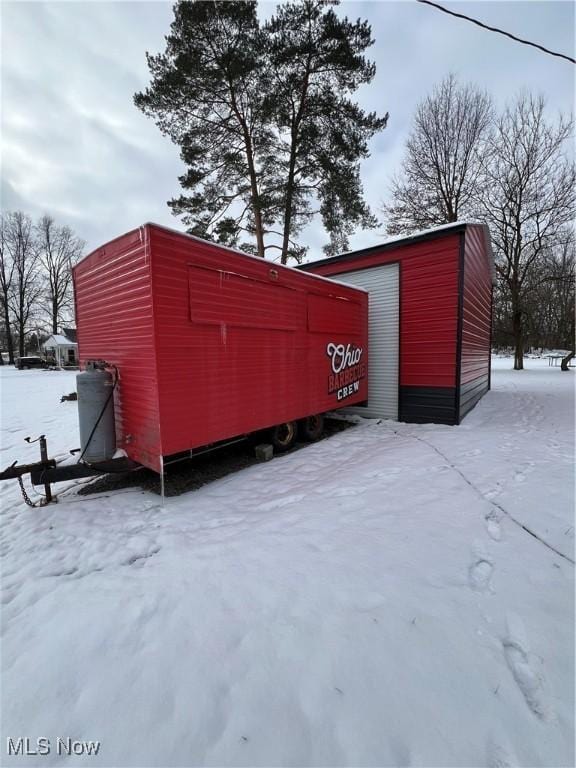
383,286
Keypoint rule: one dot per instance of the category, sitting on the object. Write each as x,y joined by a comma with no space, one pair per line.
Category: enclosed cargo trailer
430,320
208,343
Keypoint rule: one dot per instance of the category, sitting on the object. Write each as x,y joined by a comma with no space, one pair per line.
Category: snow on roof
422,233
59,341
419,233
409,236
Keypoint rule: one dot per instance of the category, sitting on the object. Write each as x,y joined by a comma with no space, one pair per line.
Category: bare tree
26,286
59,249
549,296
6,277
526,197
443,158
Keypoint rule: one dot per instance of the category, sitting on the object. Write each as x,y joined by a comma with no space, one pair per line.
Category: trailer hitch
46,471
16,470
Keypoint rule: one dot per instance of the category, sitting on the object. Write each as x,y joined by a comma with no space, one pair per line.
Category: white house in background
63,347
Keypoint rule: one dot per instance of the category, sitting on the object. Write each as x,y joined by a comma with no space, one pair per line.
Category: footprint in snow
339,493
403,755
284,501
479,575
139,558
524,668
382,473
521,472
499,757
493,527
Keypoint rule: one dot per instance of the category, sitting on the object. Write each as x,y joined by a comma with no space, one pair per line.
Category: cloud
75,146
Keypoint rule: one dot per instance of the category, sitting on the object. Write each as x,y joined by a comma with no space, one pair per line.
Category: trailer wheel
311,428
283,436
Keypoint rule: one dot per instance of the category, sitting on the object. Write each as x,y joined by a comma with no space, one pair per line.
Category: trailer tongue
47,471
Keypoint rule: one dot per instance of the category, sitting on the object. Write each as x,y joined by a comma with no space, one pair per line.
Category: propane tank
96,413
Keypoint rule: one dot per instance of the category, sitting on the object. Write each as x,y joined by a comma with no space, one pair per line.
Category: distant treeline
464,160
36,259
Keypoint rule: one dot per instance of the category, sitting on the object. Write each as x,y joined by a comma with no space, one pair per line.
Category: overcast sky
74,146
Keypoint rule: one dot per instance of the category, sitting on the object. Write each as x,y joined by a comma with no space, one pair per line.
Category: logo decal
347,369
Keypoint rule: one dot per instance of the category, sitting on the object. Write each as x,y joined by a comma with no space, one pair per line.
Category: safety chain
27,498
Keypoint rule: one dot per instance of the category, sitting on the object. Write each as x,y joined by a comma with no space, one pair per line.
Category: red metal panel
428,305
114,321
211,343
475,359
234,348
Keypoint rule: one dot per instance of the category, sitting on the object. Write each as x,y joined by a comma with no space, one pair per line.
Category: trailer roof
216,245
402,240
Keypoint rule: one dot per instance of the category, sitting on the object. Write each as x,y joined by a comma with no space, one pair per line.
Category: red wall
114,320
238,351
428,306
212,344
476,308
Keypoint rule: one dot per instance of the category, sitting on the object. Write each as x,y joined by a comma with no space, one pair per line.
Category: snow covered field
370,600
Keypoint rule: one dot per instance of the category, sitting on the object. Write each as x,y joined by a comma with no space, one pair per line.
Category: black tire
311,428
283,436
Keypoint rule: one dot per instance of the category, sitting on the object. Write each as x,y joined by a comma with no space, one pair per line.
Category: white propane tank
96,413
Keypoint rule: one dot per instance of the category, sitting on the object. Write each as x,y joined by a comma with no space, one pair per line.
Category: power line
495,29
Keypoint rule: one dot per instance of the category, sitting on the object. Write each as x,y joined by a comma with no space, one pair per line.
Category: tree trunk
21,323
292,170
288,208
54,316
565,364
8,331
258,225
518,331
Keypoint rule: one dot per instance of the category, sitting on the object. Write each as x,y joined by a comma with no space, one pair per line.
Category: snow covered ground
370,600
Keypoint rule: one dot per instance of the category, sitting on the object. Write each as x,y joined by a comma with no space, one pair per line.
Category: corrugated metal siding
429,305
428,405
383,283
476,321
114,321
260,362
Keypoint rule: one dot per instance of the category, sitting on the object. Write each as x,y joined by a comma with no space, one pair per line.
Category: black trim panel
471,393
428,405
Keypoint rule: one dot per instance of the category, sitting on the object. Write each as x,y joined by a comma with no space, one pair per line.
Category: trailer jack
46,471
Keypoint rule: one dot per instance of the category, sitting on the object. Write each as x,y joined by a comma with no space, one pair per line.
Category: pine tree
263,120
317,61
207,94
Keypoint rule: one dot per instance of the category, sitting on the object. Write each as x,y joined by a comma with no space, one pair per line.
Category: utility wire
495,29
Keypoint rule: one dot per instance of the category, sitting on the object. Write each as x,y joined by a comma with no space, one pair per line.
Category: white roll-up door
383,284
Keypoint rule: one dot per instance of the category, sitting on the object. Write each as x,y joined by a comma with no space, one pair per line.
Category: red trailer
211,343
